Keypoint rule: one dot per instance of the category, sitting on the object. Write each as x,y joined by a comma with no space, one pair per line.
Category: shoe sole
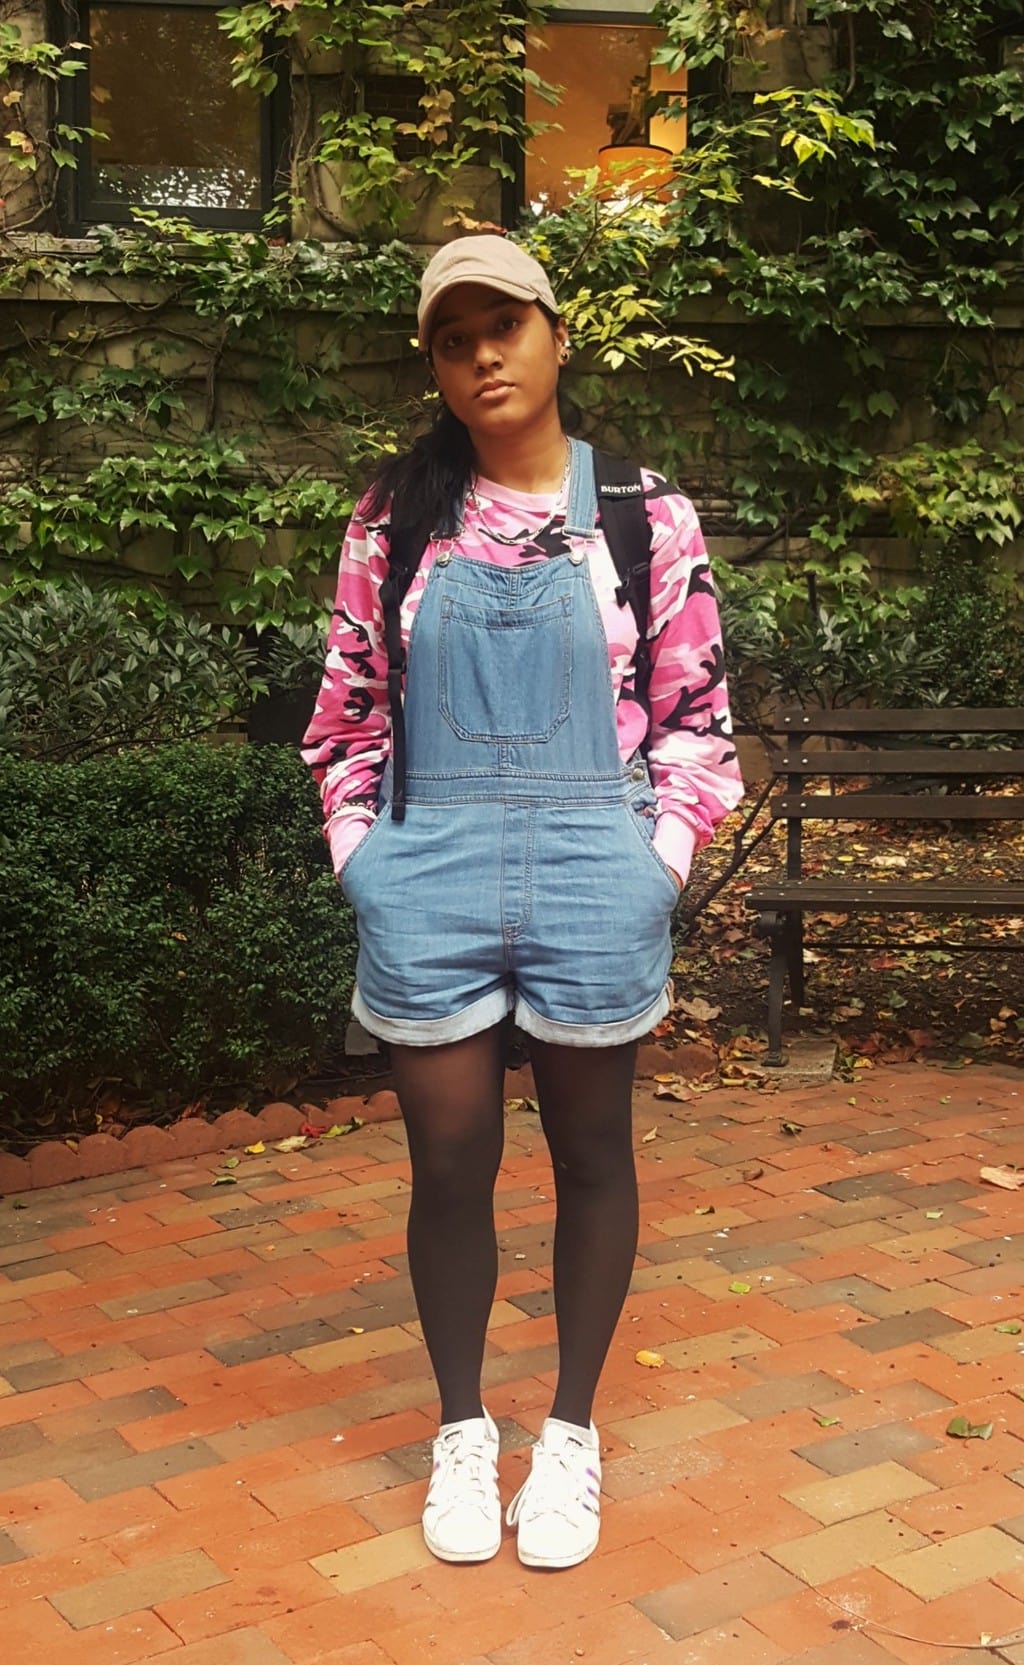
556,1563
465,1556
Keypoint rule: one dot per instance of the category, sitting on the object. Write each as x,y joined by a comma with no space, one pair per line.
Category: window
397,97
176,135
612,101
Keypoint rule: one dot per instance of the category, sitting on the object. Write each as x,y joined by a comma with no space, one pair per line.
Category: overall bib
523,877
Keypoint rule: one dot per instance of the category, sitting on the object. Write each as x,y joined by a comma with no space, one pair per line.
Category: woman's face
495,360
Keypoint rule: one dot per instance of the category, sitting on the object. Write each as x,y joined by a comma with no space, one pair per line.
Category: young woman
538,861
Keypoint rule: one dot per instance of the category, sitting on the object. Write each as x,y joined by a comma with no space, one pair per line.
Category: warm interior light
635,168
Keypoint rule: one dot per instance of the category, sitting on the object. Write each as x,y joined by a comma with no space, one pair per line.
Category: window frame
79,209
513,195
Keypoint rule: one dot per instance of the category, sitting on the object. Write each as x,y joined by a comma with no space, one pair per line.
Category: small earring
563,357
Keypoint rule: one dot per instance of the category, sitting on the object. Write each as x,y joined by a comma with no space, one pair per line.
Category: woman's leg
452,1104
585,1100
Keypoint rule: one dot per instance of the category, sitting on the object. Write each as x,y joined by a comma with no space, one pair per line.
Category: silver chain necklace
526,536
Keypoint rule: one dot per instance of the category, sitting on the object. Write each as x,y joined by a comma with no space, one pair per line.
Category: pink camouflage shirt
691,756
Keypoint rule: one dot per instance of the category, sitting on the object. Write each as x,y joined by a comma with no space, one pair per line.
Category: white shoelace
469,1465
556,1486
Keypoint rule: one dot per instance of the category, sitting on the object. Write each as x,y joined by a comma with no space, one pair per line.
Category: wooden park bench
894,766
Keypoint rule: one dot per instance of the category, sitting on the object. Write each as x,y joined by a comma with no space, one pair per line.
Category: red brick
25,1407
520,1083
237,1127
194,1136
15,1174
238,1647
259,1596
381,1107
41,1575
280,1120
100,1153
145,1145
53,1164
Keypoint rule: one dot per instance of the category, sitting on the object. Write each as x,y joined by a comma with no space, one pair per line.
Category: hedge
169,923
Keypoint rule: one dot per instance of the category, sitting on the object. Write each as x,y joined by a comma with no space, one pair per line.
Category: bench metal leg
776,927
795,956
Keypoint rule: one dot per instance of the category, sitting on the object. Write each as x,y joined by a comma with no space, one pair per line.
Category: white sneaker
558,1510
462,1514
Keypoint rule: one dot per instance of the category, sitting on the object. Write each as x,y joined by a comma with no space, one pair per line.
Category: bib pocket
505,674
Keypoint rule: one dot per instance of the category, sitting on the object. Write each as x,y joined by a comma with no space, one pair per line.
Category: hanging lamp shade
639,168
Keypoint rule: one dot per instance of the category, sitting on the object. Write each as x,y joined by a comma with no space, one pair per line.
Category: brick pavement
215,1414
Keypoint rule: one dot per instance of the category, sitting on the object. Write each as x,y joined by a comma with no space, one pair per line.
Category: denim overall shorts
523,877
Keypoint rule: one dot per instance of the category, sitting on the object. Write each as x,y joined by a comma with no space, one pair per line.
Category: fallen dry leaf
297,1141
672,1086
1007,1178
653,1134
653,1361
701,1010
255,1150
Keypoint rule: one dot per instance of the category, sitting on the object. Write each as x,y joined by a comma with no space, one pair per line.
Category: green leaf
827,1421
962,1429
739,1288
225,1179
1011,1327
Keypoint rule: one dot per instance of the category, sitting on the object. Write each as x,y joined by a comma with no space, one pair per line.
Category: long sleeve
348,739
692,756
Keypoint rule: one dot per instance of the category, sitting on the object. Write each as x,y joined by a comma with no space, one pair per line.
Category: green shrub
826,635
85,672
170,922
971,626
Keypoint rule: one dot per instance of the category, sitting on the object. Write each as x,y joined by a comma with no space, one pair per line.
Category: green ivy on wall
211,401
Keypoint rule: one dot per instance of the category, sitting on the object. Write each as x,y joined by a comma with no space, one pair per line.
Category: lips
492,387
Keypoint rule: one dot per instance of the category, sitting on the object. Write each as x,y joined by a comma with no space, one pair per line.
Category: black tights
451,1098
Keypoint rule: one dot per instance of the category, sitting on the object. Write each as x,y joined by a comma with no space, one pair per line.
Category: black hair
427,485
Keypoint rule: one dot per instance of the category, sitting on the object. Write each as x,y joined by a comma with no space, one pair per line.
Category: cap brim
516,292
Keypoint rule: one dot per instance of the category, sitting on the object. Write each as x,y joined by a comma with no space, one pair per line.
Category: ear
561,335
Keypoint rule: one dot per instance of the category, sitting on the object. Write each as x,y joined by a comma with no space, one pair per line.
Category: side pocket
642,814
350,861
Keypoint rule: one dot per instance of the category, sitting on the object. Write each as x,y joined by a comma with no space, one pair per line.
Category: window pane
604,69
177,132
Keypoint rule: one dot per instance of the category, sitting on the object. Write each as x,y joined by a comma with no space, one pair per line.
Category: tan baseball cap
484,258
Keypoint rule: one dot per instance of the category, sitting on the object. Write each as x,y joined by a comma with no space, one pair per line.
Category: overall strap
405,551
627,531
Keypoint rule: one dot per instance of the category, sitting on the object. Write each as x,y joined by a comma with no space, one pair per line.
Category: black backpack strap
405,551
627,530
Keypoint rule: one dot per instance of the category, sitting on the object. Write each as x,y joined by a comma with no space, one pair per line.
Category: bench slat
920,761
942,720
922,897
868,806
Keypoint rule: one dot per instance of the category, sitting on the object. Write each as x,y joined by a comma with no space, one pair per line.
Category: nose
488,352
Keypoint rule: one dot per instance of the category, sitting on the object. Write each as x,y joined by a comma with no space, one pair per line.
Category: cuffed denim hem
472,1020
592,1034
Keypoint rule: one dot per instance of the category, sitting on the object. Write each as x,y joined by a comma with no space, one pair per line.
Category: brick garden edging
55,1163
